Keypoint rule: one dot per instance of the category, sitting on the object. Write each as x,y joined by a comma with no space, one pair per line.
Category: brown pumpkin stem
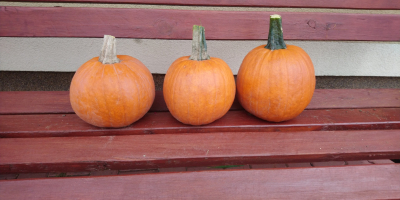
275,36
108,53
199,45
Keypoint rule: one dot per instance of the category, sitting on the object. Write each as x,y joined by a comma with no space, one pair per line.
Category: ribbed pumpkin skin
276,85
199,92
112,95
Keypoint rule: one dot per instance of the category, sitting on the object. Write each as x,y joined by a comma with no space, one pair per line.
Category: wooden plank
30,102
69,154
41,102
347,4
350,182
177,24
44,102
355,98
66,125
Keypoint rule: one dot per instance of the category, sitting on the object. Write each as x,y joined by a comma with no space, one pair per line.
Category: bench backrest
220,25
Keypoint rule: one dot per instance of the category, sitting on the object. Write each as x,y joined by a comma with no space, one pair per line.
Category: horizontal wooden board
349,182
68,154
29,102
375,182
355,98
66,125
42,102
353,4
177,24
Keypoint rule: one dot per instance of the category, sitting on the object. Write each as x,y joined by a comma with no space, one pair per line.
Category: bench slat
355,98
177,24
350,182
30,102
42,102
67,154
354,4
63,125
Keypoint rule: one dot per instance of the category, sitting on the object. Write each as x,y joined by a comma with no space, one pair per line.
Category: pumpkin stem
275,36
108,53
199,45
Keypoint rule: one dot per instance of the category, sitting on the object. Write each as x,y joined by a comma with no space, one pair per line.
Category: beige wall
331,58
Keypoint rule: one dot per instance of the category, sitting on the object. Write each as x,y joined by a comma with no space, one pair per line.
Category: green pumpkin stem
108,53
275,36
199,45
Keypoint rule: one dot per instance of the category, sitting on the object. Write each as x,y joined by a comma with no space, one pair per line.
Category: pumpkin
199,89
276,81
110,90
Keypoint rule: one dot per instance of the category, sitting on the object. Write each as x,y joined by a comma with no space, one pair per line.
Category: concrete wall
333,58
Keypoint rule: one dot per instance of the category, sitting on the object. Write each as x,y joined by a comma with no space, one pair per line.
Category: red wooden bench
358,129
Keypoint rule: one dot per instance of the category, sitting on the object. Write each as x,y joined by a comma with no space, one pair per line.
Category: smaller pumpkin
199,89
276,81
110,90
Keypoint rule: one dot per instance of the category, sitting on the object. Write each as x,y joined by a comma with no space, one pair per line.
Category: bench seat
355,182
49,138
49,114
96,153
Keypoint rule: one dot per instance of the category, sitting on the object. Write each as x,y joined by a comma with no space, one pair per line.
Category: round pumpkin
276,81
199,89
110,90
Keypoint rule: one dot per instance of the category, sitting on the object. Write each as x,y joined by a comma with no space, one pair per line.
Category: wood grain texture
355,98
177,24
30,102
67,125
45,102
61,154
350,182
41,102
347,4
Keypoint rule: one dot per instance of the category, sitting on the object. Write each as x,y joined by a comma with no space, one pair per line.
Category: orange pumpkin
112,91
199,89
276,82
